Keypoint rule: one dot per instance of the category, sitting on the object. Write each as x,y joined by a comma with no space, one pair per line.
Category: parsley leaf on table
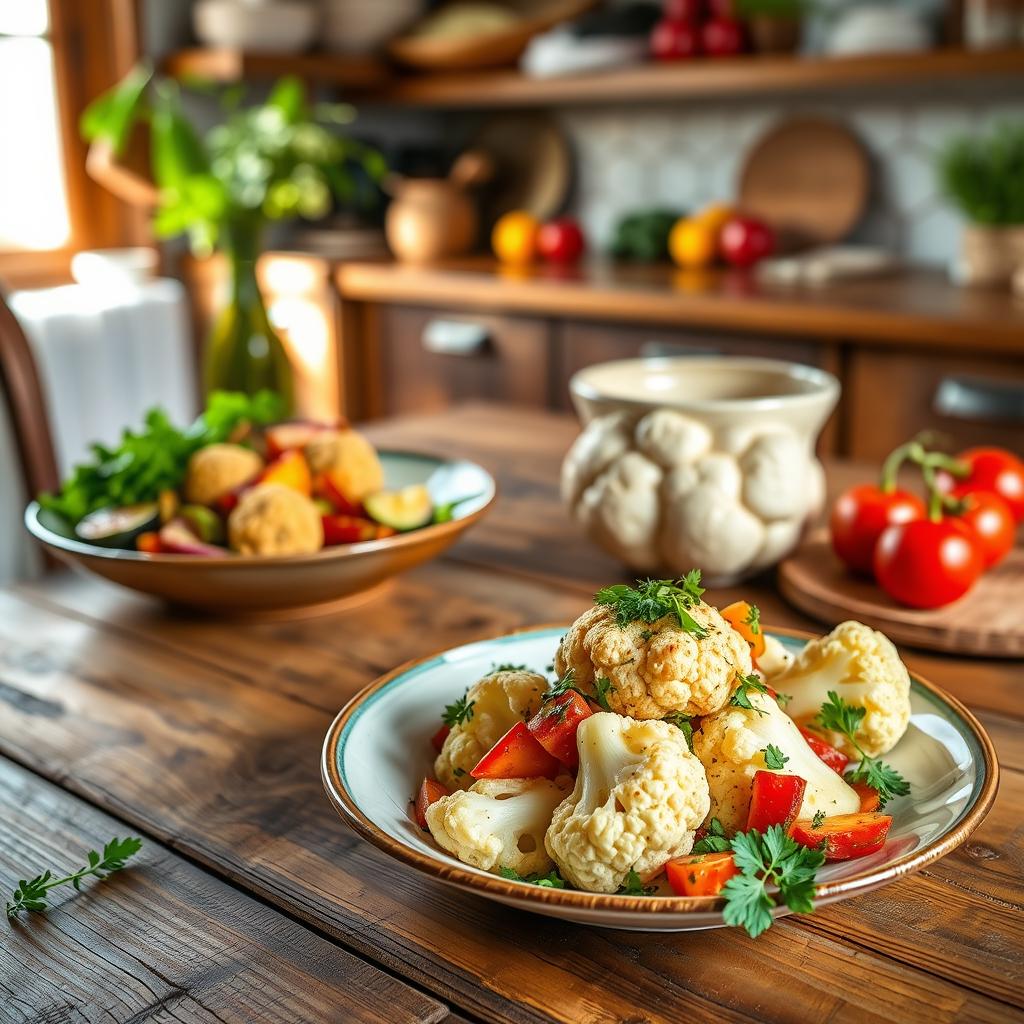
31,894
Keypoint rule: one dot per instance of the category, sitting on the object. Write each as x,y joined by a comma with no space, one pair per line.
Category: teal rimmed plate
378,750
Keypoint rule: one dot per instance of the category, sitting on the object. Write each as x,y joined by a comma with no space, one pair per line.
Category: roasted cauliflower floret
350,459
217,470
639,796
775,658
656,668
863,667
272,519
495,703
499,823
731,746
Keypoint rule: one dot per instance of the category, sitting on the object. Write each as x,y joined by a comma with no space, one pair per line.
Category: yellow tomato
716,215
692,243
514,238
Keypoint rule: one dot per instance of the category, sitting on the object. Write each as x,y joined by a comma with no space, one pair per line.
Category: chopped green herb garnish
603,686
774,758
507,666
458,712
741,695
633,886
819,819
684,723
783,699
714,839
753,619
651,600
552,880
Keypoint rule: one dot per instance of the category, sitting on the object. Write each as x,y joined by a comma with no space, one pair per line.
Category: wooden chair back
20,385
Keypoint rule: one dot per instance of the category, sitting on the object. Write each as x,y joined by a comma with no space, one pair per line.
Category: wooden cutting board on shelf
988,620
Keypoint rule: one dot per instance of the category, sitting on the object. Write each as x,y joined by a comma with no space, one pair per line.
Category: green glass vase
244,352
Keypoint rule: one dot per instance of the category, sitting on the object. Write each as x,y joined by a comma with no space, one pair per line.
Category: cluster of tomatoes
928,554
692,28
519,239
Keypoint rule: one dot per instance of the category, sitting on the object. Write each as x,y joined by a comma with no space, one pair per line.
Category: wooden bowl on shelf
499,48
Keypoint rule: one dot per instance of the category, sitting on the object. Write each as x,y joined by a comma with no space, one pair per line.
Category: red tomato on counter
991,469
722,37
861,514
560,241
927,564
675,39
991,520
683,10
745,240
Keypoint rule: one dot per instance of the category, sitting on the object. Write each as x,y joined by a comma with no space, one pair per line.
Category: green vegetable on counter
643,236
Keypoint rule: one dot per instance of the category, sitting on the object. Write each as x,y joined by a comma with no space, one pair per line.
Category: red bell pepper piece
517,755
700,874
437,740
150,543
869,798
845,836
775,799
554,726
835,759
342,529
430,791
326,486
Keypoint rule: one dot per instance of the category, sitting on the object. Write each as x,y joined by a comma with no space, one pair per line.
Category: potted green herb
774,26
262,163
983,177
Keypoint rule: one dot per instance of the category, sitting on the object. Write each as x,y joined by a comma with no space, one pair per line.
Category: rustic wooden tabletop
251,900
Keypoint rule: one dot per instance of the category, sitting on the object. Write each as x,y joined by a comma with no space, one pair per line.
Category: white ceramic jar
698,462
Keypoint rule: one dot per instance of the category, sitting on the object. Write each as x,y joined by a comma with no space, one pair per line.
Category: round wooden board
987,621
809,177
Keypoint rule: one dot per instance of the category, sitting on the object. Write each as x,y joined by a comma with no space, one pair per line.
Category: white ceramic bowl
378,751
280,26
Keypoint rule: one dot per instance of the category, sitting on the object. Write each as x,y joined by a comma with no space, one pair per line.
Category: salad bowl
297,584
377,751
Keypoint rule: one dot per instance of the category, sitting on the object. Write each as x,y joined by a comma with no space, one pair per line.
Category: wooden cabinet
429,359
970,400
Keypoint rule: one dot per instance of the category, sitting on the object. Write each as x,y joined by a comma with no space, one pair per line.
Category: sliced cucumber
205,523
407,509
118,527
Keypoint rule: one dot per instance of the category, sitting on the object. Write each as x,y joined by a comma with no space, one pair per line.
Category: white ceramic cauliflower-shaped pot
667,493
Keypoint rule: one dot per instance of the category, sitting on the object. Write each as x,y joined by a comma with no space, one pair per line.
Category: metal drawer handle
666,349
979,399
455,338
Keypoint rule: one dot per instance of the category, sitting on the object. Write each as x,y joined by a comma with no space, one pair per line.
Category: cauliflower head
499,823
272,519
350,459
775,658
731,745
499,700
656,668
863,667
217,470
639,797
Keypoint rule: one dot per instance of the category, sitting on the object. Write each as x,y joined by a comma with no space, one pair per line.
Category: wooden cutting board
988,620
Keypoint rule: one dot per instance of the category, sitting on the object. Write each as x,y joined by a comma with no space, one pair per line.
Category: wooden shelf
744,76
910,308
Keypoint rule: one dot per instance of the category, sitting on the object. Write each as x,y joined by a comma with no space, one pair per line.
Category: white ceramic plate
378,751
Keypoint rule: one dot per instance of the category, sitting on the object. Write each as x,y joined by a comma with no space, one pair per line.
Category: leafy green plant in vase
263,163
983,177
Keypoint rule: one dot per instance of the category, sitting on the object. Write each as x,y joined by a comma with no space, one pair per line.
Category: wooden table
252,901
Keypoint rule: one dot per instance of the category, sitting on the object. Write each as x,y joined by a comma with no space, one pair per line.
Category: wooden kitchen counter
918,307
252,901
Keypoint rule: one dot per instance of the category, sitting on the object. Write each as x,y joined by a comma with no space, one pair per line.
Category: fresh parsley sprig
602,687
31,894
753,619
508,666
741,695
774,758
714,839
458,711
634,886
684,723
552,880
651,600
836,715
771,859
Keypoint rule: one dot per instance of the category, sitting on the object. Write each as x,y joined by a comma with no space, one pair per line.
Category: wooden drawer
582,344
972,400
430,359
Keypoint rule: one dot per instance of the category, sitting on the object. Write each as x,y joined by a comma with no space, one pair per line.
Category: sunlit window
33,203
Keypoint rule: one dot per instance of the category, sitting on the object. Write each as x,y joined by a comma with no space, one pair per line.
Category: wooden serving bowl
247,585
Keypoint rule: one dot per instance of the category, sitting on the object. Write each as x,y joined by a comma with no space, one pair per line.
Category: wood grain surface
987,621
206,737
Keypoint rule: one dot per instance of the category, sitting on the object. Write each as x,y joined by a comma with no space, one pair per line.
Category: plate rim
463,878
57,543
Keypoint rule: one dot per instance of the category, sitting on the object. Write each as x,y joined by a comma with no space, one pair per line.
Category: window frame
94,45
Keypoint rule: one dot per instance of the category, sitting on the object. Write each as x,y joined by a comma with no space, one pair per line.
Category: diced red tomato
227,503
845,836
437,740
289,469
736,615
517,755
700,874
341,529
430,792
775,799
150,543
554,726
835,759
869,798
325,485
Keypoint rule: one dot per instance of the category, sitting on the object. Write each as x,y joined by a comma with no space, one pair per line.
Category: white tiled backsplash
630,157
